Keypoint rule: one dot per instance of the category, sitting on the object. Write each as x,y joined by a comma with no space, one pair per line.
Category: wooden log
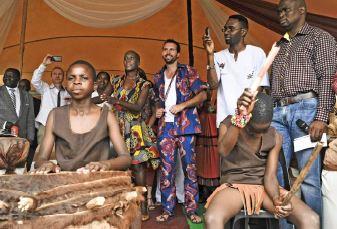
299,180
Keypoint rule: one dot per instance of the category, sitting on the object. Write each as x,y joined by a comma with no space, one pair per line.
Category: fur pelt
60,200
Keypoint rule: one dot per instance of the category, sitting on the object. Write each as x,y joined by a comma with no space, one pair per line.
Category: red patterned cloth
208,159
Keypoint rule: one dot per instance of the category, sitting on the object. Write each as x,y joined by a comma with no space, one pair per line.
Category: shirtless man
250,150
81,130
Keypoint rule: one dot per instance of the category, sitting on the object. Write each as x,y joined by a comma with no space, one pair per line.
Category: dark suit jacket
25,121
37,104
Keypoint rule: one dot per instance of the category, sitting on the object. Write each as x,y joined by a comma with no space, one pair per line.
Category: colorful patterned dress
139,138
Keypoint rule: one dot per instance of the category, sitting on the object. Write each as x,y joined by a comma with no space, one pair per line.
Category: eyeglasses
230,29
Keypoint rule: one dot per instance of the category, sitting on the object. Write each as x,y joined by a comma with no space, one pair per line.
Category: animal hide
68,199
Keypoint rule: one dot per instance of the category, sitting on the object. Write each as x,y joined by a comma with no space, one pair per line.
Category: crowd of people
94,123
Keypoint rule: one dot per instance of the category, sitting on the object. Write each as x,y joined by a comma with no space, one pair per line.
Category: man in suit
16,106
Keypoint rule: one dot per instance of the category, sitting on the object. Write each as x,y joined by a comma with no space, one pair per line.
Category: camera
56,58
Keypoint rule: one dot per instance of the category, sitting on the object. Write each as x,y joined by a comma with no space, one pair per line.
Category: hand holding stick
299,180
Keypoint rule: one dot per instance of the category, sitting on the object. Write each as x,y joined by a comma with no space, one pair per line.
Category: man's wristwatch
209,67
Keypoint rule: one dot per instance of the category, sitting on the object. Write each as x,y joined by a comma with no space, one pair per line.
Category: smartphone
207,31
56,58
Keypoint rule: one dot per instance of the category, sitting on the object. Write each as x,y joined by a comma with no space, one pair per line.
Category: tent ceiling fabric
49,32
7,13
106,13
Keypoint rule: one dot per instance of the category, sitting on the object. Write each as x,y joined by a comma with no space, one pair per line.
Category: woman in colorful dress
130,92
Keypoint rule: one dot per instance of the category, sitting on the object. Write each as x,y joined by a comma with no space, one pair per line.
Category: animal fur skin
59,200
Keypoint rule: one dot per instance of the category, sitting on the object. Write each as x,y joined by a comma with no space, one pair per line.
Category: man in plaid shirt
301,79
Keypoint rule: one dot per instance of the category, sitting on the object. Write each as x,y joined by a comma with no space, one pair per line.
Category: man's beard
170,61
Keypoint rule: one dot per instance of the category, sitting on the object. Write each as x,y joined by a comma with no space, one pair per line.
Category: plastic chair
270,221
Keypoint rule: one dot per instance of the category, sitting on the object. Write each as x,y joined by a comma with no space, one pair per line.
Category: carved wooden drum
13,151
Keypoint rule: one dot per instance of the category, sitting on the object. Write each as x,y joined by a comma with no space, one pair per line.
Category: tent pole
23,32
190,33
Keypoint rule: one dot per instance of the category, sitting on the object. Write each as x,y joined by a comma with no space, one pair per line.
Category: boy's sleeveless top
74,150
243,165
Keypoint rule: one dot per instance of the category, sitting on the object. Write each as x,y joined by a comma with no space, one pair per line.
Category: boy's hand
96,166
246,102
47,167
281,211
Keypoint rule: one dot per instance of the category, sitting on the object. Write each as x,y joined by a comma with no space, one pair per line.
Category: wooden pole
299,180
190,33
23,33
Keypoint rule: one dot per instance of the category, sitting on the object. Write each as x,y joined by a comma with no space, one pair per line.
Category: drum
69,200
13,153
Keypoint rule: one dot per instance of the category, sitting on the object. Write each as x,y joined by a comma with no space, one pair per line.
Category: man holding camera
53,95
232,70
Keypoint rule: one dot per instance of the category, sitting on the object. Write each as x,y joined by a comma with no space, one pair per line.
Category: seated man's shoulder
60,109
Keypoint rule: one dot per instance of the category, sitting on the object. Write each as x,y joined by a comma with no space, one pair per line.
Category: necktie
59,98
13,98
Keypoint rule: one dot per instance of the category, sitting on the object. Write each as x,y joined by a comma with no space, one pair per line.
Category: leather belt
295,99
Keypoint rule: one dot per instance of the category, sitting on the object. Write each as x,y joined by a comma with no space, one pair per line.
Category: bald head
292,14
297,3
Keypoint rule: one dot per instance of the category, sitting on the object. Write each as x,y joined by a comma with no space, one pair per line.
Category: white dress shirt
48,95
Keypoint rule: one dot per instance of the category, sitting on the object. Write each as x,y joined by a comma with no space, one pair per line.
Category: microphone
303,126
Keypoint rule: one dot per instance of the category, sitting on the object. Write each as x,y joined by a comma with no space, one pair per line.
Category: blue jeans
284,120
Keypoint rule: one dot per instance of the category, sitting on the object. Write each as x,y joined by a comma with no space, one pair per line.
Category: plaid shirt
306,62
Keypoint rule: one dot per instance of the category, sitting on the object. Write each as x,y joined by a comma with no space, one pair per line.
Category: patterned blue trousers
168,146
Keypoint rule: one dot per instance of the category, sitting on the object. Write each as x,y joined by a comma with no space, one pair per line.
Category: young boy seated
250,150
81,131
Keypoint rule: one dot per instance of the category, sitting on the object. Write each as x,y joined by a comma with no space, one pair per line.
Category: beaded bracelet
240,120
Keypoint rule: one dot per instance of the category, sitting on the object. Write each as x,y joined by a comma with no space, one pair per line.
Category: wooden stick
23,32
299,180
265,66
